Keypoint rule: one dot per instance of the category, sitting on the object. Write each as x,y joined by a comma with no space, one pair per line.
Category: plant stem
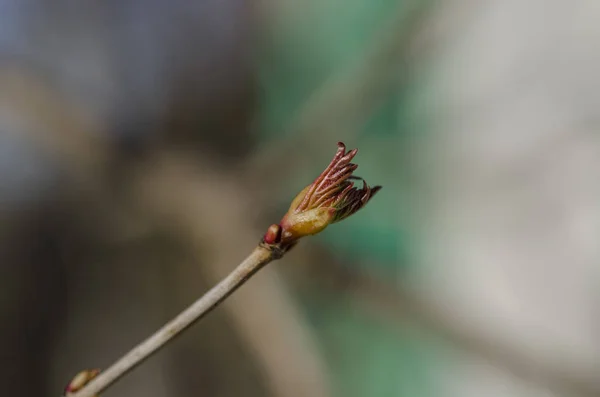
261,256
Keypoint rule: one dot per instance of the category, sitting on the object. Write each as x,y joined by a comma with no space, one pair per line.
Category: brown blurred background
146,146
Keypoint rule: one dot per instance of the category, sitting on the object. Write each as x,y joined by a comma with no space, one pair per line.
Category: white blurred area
512,170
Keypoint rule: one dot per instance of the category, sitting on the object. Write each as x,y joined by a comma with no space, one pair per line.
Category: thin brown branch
261,256
174,194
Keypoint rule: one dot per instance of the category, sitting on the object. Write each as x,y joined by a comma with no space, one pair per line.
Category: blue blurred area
125,62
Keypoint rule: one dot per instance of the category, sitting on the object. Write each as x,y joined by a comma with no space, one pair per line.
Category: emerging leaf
329,199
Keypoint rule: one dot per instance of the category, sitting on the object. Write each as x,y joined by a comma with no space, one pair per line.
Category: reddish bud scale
273,235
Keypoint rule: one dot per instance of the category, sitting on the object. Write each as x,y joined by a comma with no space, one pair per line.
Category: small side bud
80,380
273,234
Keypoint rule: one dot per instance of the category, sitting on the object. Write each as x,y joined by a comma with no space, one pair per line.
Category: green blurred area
313,43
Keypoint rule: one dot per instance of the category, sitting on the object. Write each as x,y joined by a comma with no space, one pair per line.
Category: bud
329,199
80,380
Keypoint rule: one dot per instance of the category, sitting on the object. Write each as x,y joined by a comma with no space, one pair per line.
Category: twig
172,194
262,255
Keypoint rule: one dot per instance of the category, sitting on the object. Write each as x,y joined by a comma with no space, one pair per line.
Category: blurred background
145,146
